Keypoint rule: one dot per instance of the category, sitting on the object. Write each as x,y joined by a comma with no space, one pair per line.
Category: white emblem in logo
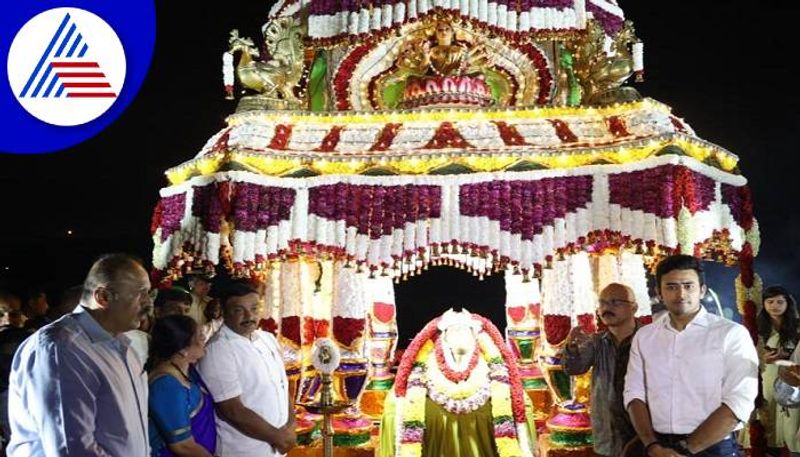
66,66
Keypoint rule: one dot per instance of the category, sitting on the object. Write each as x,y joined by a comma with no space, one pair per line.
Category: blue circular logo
70,71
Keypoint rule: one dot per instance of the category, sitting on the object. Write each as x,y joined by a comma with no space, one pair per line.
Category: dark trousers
725,448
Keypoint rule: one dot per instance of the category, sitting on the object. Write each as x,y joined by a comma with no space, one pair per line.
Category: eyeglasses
615,302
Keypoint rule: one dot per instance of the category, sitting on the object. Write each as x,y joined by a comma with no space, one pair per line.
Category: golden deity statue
445,58
441,69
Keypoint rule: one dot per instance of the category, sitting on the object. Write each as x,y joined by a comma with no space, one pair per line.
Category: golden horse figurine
276,78
600,75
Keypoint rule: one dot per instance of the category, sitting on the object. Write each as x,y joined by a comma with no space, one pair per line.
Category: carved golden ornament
601,75
274,79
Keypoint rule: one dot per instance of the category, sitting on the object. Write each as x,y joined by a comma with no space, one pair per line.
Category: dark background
723,66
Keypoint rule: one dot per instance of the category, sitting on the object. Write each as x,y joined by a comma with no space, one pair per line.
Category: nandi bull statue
276,78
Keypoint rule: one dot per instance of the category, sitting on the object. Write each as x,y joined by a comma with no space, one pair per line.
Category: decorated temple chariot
374,139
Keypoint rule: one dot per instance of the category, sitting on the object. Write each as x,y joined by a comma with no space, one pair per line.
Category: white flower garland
394,248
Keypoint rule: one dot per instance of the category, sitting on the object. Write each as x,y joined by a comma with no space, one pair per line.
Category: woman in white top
778,336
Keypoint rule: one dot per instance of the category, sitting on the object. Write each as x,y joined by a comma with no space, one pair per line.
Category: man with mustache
692,376
76,386
243,369
607,354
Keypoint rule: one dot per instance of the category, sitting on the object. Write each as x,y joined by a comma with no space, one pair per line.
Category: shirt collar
701,319
231,334
610,337
93,329
89,325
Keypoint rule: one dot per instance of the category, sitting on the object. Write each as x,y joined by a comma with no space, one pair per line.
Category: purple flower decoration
172,209
412,434
504,429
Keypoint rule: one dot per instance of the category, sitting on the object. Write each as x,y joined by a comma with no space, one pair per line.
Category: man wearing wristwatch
692,376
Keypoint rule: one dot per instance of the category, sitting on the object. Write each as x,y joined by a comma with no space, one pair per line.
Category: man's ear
102,296
703,290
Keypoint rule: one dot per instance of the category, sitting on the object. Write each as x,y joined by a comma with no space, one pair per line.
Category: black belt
673,441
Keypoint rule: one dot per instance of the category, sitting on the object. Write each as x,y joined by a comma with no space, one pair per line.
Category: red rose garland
563,131
587,322
331,139
386,137
290,329
452,375
677,124
268,325
314,328
447,136
221,145
348,329
341,81
280,139
617,127
542,70
509,134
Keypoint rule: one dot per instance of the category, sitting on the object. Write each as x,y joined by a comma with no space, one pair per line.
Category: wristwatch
684,447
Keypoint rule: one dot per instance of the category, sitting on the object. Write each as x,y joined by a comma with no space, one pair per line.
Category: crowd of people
129,372
119,370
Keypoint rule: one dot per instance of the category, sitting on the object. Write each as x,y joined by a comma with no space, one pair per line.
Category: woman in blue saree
181,410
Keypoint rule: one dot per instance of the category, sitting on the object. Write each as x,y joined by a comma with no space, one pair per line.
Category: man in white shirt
692,376
243,369
76,388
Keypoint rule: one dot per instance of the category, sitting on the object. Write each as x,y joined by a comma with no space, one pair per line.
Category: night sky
723,66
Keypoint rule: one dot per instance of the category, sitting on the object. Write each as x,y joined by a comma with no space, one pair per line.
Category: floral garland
402,223
250,136
346,330
509,134
314,328
563,131
280,140
331,140
290,330
343,73
447,136
542,71
611,23
438,380
416,375
617,127
450,373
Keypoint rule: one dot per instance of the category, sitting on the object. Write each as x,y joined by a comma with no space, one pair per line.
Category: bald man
607,353
76,387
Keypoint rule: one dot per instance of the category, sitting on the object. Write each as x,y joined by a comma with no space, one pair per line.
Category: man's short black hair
173,294
234,289
679,262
